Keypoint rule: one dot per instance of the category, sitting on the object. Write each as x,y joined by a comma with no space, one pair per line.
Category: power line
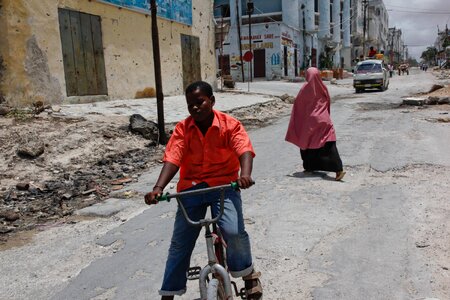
326,29
420,12
417,9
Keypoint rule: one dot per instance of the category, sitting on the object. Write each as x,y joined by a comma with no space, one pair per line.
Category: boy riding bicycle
208,148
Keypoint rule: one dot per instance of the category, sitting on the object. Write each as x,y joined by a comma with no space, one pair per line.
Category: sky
419,21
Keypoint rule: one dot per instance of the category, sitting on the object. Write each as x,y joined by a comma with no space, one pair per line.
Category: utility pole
304,35
222,13
250,8
158,80
365,4
238,17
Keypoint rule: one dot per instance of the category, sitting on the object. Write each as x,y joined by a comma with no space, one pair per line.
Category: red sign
248,56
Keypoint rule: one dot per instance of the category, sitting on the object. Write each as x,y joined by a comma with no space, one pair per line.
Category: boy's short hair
202,86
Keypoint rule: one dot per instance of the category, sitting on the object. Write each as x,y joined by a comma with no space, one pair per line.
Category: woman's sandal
253,288
340,175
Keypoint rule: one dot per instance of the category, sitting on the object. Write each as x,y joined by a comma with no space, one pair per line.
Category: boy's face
199,105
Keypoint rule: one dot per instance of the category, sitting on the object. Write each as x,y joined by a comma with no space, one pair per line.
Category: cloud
419,30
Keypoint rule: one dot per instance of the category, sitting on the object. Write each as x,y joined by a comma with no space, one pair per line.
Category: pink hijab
310,126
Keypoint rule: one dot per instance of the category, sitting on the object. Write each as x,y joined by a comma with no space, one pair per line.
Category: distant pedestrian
391,70
372,52
311,128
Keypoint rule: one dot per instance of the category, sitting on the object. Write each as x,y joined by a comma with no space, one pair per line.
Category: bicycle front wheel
215,290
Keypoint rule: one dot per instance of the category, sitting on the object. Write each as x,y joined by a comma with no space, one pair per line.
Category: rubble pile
52,164
437,95
443,74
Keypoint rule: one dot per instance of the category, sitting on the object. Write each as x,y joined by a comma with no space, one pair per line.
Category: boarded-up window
190,48
82,47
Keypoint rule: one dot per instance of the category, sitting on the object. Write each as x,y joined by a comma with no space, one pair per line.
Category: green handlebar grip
163,197
234,185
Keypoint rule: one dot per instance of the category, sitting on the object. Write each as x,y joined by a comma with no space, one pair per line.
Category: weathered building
86,50
286,36
377,25
395,50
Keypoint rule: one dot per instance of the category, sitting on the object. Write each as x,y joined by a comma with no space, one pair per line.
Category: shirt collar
215,122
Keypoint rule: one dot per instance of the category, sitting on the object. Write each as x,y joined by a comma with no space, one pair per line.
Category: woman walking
311,129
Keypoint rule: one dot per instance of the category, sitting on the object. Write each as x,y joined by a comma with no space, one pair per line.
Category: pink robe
310,126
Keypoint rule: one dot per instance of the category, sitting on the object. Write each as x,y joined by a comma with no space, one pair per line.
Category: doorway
285,59
224,64
259,63
314,57
296,62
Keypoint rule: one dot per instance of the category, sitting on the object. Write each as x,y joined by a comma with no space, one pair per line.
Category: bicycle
219,285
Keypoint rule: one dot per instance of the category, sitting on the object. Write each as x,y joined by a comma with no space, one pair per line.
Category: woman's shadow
314,174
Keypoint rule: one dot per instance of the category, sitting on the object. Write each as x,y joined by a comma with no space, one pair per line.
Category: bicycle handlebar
166,197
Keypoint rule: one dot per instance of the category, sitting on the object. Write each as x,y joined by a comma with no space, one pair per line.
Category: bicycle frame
213,267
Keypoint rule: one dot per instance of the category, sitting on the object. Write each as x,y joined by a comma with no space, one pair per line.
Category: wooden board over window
82,47
190,48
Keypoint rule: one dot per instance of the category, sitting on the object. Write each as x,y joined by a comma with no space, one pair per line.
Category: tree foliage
429,55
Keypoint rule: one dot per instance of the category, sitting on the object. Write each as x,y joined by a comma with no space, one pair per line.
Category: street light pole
250,8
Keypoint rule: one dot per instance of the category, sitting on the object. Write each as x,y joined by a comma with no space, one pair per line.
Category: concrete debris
444,100
23,186
287,99
121,181
30,147
414,101
435,87
148,129
432,100
9,216
4,110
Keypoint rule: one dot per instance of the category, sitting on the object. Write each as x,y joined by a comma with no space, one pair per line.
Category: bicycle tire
215,290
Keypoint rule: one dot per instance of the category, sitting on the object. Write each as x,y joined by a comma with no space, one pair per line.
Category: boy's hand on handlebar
150,198
245,182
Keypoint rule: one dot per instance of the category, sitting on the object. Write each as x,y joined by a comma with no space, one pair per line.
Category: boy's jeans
184,236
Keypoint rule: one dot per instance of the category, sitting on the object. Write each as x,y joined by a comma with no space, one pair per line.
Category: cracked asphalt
382,233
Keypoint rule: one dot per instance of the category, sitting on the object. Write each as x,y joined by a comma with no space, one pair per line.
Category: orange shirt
213,158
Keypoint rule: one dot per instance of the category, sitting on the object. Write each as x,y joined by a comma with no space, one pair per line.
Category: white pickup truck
369,74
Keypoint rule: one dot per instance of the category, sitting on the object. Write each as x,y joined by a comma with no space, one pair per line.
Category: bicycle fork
213,268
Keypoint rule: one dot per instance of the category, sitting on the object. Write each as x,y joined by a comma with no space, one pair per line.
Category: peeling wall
33,59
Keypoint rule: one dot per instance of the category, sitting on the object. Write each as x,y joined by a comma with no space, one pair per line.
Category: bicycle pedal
193,273
242,294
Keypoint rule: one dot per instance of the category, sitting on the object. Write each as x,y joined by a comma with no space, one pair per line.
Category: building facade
377,25
286,37
86,50
396,46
